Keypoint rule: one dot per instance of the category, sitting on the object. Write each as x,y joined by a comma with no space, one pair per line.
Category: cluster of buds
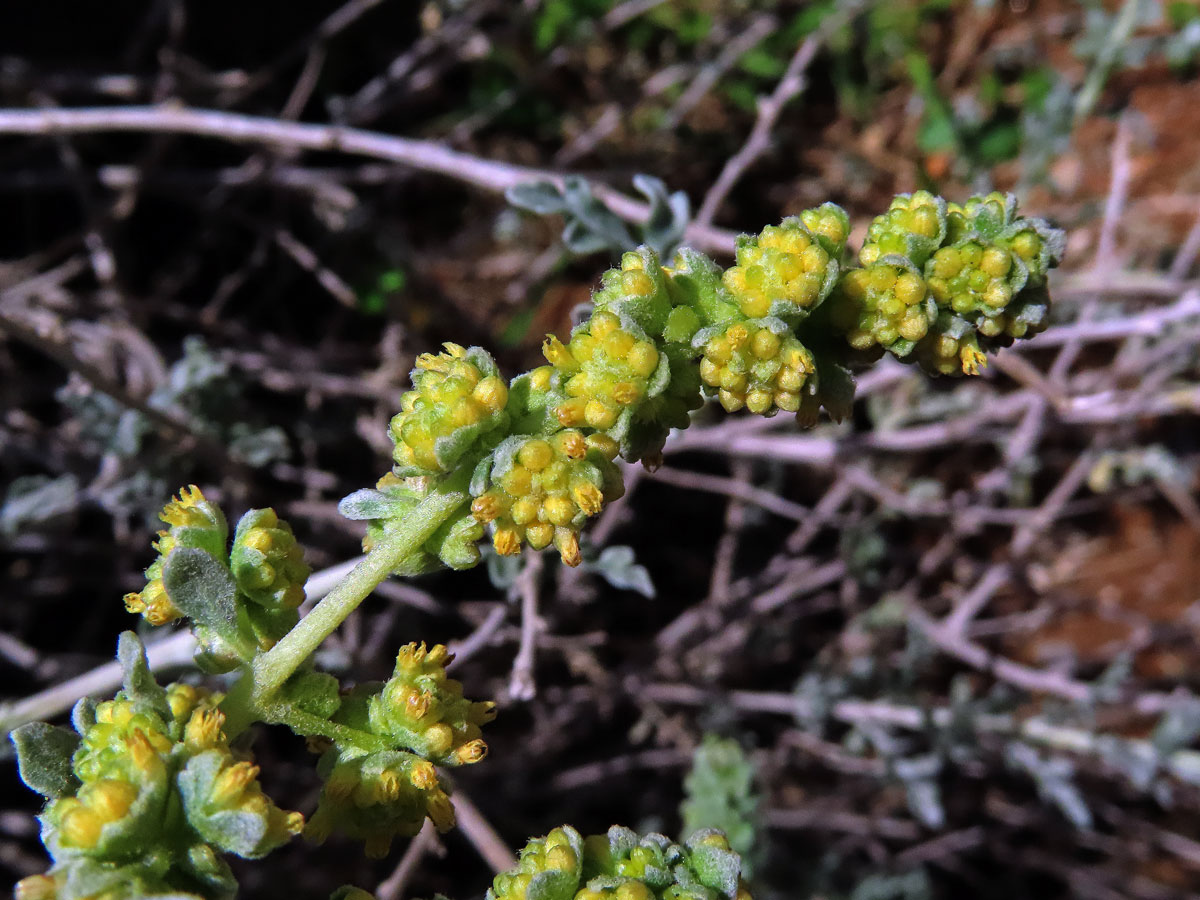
541,490
192,521
975,280
882,306
458,397
782,270
913,226
757,365
622,865
422,709
154,795
603,370
266,561
421,713
376,797
264,572
783,329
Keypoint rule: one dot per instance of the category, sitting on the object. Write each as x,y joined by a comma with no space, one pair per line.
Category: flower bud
603,371
377,797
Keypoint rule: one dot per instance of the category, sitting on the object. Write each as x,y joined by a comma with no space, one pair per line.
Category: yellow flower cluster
913,224
191,521
621,865
457,396
782,269
542,489
756,366
424,710
881,305
379,796
266,561
604,369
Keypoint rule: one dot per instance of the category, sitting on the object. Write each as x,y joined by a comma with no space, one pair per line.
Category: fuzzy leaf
553,884
140,685
201,586
313,692
240,831
619,567
83,715
372,504
669,214
541,197
44,754
715,868
35,501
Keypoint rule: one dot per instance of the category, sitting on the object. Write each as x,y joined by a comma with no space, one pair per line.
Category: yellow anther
203,730
567,542
572,444
108,798
440,811
507,542
626,393
418,704
972,360
36,887
229,786
589,498
423,775
471,752
571,413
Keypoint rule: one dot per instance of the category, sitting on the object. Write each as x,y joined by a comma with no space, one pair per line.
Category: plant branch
429,156
275,666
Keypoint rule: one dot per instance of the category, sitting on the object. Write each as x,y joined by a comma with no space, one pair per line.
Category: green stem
252,696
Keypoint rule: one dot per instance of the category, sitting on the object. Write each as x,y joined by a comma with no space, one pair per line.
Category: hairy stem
252,697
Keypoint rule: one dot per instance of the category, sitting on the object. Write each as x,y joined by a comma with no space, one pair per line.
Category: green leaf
541,197
234,830
36,501
714,867
669,215
373,504
552,885
83,716
140,685
203,589
44,754
618,566
313,692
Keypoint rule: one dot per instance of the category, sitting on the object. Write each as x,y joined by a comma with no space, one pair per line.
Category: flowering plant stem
254,696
